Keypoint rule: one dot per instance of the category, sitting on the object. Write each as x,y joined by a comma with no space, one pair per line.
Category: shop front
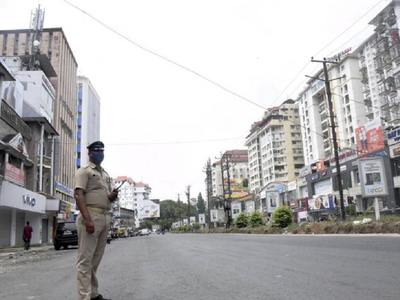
17,206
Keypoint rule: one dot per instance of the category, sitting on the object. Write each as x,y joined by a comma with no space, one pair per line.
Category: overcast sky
161,123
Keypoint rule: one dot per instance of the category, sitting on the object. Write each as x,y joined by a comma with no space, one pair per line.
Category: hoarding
236,209
272,201
372,177
214,215
239,188
370,138
202,219
148,209
192,220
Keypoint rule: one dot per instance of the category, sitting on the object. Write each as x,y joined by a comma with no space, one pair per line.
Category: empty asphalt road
223,267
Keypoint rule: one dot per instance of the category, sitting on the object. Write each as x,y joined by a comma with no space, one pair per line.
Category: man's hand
113,195
89,226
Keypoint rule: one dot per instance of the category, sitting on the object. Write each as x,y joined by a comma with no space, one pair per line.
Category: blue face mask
98,157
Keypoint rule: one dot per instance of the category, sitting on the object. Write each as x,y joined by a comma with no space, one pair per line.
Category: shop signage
304,171
292,186
315,177
20,198
394,151
373,177
338,55
63,189
345,155
276,187
393,137
28,200
342,169
14,174
320,165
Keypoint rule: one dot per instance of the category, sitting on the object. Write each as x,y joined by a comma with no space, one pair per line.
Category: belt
98,210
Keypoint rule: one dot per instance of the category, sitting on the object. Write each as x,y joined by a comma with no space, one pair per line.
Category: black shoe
99,297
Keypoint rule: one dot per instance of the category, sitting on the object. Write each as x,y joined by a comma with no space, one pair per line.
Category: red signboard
14,174
370,138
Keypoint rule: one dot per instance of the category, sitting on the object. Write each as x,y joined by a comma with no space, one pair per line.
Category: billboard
236,209
272,201
148,209
202,219
372,177
217,215
192,220
239,187
370,138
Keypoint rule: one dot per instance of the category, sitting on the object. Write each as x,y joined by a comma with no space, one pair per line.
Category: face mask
98,157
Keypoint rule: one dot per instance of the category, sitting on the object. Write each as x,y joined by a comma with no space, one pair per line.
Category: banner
192,220
14,174
148,209
370,138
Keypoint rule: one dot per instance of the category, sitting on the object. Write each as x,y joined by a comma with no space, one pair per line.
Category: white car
144,231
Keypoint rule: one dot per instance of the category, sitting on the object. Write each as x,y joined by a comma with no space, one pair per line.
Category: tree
201,205
255,219
216,202
241,221
282,217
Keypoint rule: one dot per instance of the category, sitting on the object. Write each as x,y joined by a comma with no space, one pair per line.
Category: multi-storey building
131,192
26,152
54,45
379,60
88,119
238,174
275,147
348,107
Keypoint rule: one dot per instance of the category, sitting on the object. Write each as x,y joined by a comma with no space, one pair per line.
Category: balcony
395,117
395,53
47,161
9,115
380,27
383,102
390,18
369,112
367,101
394,102
382,46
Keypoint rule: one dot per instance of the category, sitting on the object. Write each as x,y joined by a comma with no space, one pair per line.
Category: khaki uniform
97,185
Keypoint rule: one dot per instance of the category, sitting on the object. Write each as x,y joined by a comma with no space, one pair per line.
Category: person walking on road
27,235
94,194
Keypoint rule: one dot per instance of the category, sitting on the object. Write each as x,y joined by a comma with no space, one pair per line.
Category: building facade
275,147
55,48
88,120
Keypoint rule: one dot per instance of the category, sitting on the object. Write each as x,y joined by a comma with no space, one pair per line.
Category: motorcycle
109,238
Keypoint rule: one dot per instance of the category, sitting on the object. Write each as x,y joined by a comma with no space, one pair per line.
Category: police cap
96,146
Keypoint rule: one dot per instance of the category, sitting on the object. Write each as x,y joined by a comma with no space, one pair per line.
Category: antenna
36,25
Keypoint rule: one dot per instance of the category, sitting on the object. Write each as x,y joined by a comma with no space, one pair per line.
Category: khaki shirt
96,185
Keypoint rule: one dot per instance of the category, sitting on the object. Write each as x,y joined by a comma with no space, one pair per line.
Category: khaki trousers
90,251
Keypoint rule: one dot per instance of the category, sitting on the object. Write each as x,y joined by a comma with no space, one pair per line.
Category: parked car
144,231
66,235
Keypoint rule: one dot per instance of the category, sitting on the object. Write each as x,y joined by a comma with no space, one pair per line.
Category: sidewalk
7,251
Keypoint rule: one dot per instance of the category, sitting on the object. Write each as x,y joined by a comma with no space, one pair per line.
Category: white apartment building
275,147
348,105
88,119
379,62
238,172
131,192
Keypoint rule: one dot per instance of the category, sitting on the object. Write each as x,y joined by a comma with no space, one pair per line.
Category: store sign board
394,151
14,174
373,177
393,137
17,197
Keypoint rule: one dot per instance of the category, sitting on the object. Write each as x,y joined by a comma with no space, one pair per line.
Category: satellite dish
36,43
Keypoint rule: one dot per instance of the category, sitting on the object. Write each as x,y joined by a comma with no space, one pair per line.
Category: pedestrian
94,194
27,235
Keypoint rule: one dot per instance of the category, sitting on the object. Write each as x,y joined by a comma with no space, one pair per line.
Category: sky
160,122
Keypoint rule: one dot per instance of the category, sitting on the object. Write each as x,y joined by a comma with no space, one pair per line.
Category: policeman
93,194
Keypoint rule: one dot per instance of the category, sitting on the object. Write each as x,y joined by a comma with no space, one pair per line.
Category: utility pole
179,209
333,128
209,188
188,199
228,202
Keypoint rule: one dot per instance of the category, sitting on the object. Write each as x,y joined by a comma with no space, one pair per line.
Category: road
223,267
